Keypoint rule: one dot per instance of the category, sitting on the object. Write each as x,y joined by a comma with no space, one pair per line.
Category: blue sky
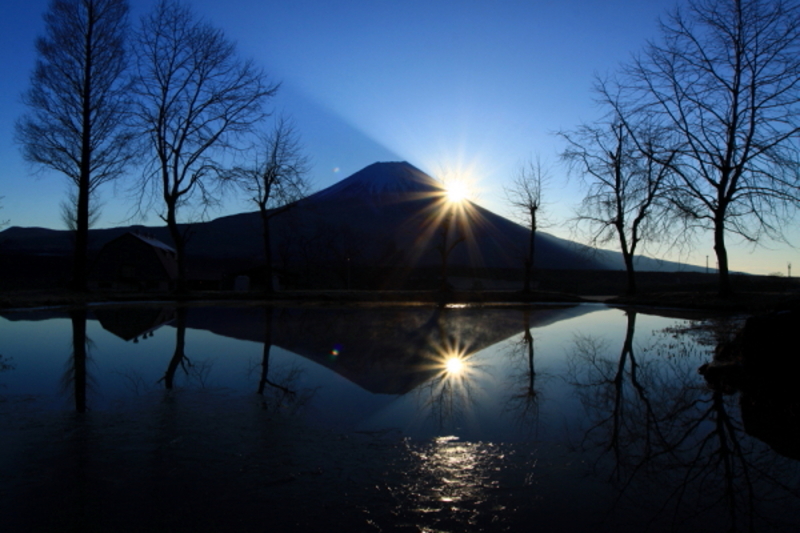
461,87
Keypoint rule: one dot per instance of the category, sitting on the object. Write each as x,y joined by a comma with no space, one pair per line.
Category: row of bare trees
700,133
171,98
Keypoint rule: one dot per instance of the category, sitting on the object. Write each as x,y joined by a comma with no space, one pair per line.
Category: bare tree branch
525,196
78,104
276,180
2,222
725,78
196,102
626,185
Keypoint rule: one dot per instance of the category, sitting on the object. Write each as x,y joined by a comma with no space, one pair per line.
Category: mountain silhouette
388,214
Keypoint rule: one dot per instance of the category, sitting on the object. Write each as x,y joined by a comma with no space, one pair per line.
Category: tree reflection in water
5,365
670,446
75,379
524,404
672,450
283,391
449,395
195,371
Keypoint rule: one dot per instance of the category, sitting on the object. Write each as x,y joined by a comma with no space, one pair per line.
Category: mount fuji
385,215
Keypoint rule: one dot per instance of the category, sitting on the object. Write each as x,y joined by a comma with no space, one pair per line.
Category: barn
136,262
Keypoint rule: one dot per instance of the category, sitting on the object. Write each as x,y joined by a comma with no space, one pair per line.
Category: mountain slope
387,214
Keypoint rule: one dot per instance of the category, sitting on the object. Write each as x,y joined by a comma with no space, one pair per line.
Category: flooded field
407,418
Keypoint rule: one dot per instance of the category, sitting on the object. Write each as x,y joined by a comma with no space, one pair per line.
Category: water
406,418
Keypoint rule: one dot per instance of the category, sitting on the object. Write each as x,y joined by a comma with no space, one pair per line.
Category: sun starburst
457,191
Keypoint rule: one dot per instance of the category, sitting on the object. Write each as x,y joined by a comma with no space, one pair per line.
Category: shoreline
741,302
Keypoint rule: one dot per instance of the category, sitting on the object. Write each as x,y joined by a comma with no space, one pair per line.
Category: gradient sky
463,87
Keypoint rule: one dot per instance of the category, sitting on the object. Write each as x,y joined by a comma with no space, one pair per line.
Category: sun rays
452,362
450,218
457,191
454,365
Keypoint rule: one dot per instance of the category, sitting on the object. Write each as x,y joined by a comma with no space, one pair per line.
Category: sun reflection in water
448,399
456,370
453,482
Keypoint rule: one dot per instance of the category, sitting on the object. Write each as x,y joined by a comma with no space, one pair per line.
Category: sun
454,365
457,191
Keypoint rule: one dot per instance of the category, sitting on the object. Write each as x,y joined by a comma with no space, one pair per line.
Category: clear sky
465,87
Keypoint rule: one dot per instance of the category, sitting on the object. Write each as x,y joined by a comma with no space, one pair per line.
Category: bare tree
196,100
276,180
2,222
525,195
77,105
725,78
448,240
625,190
69,211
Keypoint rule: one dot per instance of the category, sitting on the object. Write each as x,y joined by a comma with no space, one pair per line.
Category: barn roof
152,241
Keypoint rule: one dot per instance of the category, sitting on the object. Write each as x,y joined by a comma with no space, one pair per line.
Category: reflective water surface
406,418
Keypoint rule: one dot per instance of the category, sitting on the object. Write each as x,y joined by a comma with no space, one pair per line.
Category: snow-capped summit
379,179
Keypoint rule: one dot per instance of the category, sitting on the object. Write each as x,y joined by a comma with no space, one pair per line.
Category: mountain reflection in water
566,418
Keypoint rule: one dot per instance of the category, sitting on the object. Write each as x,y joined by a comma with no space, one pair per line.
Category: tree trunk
180,343
532,256
79,275
529,261
528,337
80,262
627,256
444,286
180,247
725,289
617,414
445,234
78,317
267,345
269,288
526,287
631,273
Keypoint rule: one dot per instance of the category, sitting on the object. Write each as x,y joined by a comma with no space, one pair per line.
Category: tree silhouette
276,180
524,402
625,190
76,375
525,195
2,222
724,80
78,102
196,99
448,240
671,447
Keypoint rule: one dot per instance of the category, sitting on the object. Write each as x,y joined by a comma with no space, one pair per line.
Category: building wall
129,263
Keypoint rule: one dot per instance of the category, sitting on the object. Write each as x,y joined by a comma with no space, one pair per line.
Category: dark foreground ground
34,287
